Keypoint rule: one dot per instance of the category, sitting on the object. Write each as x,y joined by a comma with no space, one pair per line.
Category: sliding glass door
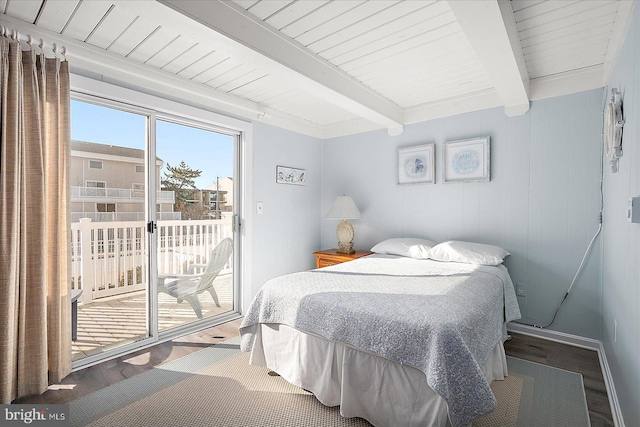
152,199
109,240
195,217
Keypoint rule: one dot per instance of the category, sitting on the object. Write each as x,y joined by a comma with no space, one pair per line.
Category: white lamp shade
344,208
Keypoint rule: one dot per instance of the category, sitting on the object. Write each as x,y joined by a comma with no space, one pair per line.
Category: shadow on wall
544,289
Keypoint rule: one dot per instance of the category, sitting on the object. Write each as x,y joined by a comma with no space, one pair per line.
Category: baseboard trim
616,412
549,335
582,342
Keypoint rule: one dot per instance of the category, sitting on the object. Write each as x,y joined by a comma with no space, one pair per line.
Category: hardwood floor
524,347
88,380
569,358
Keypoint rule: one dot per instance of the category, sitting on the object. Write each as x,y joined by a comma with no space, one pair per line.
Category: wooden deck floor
109,322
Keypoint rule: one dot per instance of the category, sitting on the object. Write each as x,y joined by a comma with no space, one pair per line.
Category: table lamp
344,208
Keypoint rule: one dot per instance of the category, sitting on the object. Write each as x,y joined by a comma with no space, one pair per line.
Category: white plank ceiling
333,67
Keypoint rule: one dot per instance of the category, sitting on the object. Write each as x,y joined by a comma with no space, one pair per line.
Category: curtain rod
17,36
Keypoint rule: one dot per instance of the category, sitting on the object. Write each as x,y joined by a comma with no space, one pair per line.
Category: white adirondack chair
187,286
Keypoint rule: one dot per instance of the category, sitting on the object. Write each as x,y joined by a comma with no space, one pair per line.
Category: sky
210,152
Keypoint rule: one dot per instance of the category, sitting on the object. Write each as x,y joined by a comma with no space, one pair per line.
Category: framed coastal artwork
416,165
467,160
287,175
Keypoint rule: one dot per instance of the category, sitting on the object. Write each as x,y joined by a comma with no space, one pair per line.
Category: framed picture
416,165
287,175
467,160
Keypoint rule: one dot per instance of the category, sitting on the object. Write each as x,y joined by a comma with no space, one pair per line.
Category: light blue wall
287,233
621,248
542,203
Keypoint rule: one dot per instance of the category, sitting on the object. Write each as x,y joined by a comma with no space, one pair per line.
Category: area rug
535,395
217,387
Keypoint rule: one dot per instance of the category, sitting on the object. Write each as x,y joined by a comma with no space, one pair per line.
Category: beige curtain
35,303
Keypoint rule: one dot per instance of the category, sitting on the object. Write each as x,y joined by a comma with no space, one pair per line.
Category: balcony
108,322
104,195
123,216
109,263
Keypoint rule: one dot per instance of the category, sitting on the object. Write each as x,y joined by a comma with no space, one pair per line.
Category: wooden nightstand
332,257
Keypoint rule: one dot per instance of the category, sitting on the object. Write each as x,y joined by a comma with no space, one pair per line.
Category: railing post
86,267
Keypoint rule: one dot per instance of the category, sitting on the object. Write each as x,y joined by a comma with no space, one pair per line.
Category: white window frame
135,168
115,207
104,183
95,162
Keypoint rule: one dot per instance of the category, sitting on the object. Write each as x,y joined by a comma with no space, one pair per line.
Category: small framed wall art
287,175
467,160
416,165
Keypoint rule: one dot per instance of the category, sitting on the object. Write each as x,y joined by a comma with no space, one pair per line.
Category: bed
392,339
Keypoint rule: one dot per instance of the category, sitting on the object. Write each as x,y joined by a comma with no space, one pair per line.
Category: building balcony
106,195
123,216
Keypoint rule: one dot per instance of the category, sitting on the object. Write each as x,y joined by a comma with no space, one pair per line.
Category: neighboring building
107,184
214,198
222,189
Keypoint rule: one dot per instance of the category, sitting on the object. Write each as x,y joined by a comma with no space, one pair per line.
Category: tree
194,211
181,180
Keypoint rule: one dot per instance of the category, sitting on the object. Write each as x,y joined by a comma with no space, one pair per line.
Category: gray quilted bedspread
441,318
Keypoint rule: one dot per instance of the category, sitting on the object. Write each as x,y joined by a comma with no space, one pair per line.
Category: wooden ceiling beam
249,37
491,31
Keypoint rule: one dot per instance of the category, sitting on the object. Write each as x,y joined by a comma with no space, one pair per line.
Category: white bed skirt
383,392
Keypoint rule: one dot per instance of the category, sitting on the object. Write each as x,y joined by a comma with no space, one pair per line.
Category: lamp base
345,248
345,238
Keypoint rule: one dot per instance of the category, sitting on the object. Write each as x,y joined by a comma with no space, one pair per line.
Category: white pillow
405,246
470,253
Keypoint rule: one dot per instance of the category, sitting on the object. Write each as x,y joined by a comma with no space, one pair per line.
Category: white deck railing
109,258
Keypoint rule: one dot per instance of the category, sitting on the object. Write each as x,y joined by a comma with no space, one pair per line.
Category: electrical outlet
521,290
